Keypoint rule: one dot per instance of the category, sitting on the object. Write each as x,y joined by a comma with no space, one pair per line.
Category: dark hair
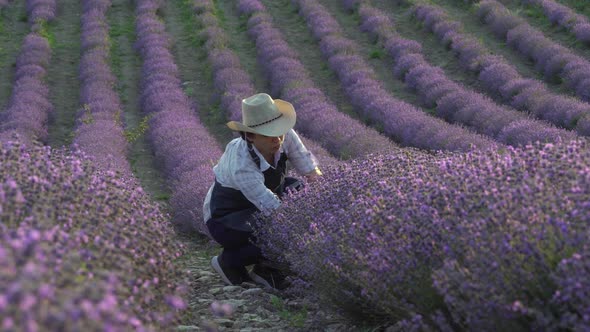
243,134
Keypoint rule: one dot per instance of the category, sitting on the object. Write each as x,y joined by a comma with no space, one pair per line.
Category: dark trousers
237,242
238,249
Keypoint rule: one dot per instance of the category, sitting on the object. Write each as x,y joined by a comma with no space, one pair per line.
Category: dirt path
13,28
62,74
253,308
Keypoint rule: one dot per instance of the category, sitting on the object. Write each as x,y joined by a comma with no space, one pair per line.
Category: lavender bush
402,121
505,267
564,16
182,145
317,117
99,130
29,107
452,101
231,81
485,240
533,44
41,10
502,79
81,249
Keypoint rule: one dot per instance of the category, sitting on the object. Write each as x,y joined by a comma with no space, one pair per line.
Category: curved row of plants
232,82
182,145
29,107
479,241
500,78
552,59
452,101
99,131
317,117
81,248
565,17
403,122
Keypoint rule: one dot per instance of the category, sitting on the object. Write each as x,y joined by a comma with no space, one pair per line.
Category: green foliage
125,29
243,27
2,49
218,13
133,134
46,32
534,12
376,54
162,197
295,318
87,117
118,30
191,26
188,89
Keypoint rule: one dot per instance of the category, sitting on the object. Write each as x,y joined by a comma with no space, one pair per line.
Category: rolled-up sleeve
302,159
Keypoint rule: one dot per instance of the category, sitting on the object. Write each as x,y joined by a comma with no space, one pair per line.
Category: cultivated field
453,137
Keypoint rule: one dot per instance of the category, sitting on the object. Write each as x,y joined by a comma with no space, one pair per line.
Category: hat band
265,122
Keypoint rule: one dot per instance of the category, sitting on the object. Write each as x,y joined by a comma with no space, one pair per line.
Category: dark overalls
231,215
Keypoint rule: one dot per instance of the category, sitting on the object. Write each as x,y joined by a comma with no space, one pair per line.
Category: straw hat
265,116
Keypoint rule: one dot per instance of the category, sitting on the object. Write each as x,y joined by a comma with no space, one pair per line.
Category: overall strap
253,154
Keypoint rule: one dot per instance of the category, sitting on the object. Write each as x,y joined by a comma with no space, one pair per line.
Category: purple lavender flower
501,78
316,118
29,107
41,10
456,103
71,255
582,32
431,230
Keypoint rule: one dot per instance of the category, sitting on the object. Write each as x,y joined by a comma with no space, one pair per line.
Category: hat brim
275,128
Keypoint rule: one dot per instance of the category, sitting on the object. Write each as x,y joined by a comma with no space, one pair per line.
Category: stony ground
253,308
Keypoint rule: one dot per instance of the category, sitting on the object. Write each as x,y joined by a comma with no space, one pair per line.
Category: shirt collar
264,165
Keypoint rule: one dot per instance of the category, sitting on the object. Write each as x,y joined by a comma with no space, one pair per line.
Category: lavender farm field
455,153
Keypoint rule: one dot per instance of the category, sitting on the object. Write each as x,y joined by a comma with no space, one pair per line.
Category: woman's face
267,145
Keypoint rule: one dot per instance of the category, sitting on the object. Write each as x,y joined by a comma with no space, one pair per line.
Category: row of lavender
500,78
99,131
29,107
477,241
483,241
182,145
453,102
232,83
78,241
565,17
80,248
554,60
401,121
317,117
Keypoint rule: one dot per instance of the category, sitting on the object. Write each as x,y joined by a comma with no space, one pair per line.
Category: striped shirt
237,170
